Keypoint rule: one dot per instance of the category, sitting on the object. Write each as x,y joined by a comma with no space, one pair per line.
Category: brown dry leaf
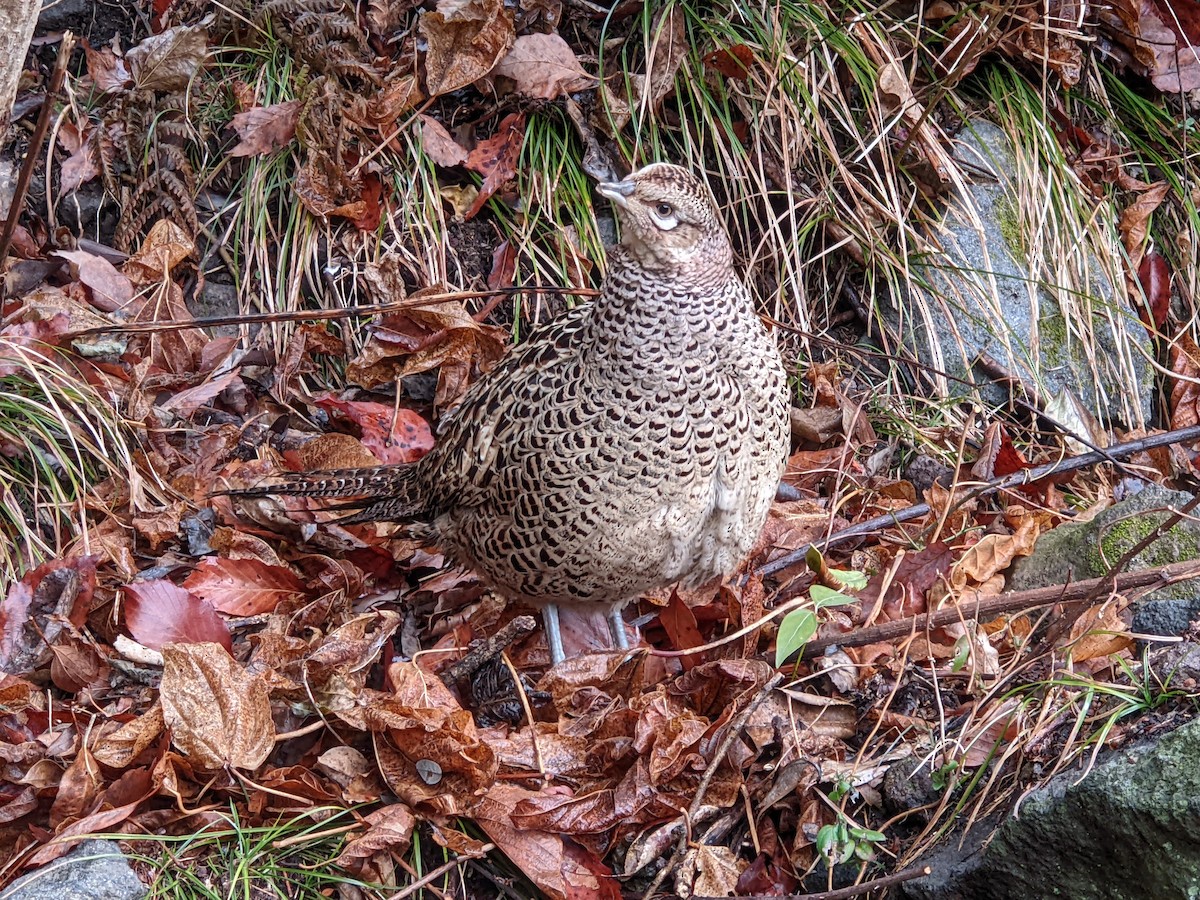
561,871
109,290
999,724
243,587
1185,386
544,66
219,714
437,335
76,664
158,613
389,830
709,871
1099,632
333,450
162,525
1135,221
994,553
496,159
434,759
108,71
264,129
165,247
466,39
438,144
81,166
1157,38
169,60
118,749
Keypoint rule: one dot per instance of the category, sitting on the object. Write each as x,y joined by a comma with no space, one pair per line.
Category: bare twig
1016,479
35,143
1010,602
490,648
442,870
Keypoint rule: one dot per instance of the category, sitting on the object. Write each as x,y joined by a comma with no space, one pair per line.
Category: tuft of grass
59,437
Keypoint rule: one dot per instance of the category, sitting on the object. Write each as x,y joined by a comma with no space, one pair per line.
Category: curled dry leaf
40,608
544,66
265,129
158,613
1158,37
389,830
466,38
119,748
1185,387
219,714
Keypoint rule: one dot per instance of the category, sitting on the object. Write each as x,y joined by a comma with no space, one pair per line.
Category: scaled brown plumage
634,442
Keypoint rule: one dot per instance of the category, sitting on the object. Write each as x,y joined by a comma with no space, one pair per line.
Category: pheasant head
669,224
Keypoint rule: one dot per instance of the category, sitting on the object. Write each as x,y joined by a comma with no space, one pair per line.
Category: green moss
1009,222
1116,540
1052,334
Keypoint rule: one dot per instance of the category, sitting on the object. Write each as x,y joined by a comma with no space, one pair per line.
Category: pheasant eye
664,209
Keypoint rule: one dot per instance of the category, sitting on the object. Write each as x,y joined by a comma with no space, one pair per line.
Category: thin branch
1011,602
1015,480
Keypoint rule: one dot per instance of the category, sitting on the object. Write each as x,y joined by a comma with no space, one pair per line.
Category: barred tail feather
383,493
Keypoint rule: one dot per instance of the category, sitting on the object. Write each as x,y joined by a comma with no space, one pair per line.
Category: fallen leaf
38,609
218,713
733,62
243,587
496,159
81,166
438,144
169,60
466,38
158,612
108,71
543,66
392,435
264,129
109,289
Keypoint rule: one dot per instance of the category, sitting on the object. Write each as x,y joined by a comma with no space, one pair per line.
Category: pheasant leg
616,624
553,635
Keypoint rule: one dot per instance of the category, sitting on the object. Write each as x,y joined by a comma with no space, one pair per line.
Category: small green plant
843,841
943,776
798,626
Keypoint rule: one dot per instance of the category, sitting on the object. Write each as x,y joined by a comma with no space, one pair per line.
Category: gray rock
975,297
1126,831
95,870
1074,552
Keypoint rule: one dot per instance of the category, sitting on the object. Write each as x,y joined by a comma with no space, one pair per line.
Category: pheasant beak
618,192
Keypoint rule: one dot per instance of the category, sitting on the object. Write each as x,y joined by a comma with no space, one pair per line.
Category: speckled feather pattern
634,442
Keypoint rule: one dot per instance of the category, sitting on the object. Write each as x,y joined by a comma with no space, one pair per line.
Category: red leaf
679,622
496,159
1155,279
504,266
243,587
732,63
393,435
159,612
